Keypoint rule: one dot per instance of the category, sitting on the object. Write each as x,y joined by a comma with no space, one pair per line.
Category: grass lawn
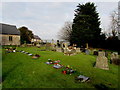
21,71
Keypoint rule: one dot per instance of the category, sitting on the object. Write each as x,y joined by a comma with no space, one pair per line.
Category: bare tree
65,31
114,23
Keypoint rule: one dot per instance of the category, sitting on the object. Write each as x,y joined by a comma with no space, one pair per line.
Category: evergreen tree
85,28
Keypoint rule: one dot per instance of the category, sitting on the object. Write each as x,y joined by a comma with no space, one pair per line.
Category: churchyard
23,70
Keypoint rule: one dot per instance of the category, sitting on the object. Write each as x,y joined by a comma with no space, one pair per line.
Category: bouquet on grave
50,62
68,70
35,56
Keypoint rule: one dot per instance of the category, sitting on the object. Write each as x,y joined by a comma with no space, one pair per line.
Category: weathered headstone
69,51
114,55
115,58
66,45
58,49
47,46
106,54
38,45
52,43
78,50
86,45
87,51
64,50
102,61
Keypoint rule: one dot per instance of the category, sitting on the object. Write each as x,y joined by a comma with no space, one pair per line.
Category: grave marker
78,50
102,61
87,52
58,49
115,58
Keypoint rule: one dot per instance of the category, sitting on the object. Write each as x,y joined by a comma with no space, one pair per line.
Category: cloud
46,18
59,0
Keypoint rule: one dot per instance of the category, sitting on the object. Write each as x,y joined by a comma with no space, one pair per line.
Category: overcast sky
46,19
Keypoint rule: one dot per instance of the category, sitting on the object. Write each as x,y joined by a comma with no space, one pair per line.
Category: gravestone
115,58
64,50
53,46
52,43
87,52
102,61
114,55
86,45
62,45
78,50
47,46
106,54
69,51
58,49
66,45
38,45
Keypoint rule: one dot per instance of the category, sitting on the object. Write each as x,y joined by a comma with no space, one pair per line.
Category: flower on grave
64,72
68,66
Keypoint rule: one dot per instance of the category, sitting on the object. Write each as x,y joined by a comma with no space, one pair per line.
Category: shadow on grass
8,72
101,87
0,80
94,64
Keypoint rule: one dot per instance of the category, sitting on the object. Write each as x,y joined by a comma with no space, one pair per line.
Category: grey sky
46,18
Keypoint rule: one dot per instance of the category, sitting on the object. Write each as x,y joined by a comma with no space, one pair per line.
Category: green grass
21,71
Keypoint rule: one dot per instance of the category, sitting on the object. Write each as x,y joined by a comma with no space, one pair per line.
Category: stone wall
5,40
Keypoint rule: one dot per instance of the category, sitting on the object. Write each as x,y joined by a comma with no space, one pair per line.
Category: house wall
4,40
36,40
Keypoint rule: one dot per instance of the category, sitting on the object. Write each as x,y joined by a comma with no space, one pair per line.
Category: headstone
64,50
62,45
87,51
52,43
69,51
102,61
66,45
114,55
106,54
115,58
48,46
23,45
86,45
58,49
78,50
38,45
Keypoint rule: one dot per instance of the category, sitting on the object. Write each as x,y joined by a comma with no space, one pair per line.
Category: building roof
36,37
9,29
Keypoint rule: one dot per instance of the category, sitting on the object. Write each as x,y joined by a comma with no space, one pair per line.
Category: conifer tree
85,28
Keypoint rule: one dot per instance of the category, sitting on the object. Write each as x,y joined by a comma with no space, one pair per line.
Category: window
10,38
